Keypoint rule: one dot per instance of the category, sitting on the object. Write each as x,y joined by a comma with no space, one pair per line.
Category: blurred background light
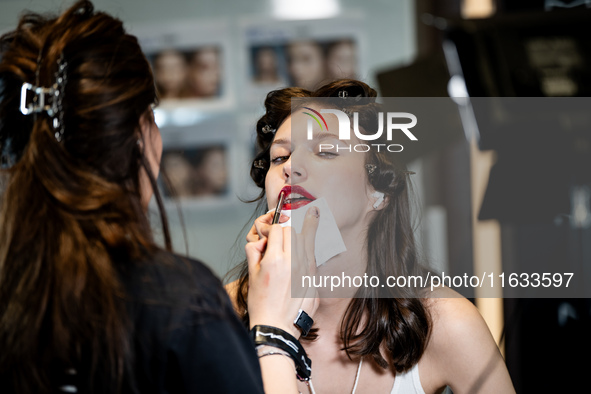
305,9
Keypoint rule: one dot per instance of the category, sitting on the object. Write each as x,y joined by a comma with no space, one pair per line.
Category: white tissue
329,241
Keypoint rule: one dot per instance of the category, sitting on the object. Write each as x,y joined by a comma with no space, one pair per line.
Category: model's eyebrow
323,135
281,141
315,137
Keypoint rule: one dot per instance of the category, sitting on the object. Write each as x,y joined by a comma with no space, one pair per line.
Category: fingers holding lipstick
269,296
255,232
260,228
276,264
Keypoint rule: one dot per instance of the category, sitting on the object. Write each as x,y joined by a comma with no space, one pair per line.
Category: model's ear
380,200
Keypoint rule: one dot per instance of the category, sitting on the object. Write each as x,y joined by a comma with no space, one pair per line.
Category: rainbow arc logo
315,118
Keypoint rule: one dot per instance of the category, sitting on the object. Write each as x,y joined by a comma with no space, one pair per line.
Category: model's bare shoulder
462,352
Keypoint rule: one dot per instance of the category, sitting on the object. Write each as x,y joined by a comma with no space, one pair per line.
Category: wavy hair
71,211
375,318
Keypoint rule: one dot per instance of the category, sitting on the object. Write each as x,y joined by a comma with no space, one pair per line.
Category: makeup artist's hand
262,225
272,261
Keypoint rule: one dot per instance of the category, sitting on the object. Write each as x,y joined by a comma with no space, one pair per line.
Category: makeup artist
88,302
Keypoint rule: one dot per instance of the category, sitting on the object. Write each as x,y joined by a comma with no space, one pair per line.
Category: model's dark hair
375,317
71,210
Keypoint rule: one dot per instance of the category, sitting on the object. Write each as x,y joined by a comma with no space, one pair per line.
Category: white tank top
408,382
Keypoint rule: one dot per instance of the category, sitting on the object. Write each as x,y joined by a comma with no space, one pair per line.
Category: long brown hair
71,210
375,318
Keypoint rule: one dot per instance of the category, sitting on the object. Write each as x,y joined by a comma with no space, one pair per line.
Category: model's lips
295,197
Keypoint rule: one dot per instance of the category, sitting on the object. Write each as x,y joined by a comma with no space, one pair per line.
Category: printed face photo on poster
304,63
196,172
188,74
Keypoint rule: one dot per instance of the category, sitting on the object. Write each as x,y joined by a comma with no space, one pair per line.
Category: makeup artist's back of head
72,204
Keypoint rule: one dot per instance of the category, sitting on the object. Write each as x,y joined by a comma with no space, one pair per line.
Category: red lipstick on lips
296,197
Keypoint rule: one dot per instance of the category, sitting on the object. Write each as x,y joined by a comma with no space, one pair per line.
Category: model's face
299,168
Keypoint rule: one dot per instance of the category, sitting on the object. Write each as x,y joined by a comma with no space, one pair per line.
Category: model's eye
327,155
326,151
279,159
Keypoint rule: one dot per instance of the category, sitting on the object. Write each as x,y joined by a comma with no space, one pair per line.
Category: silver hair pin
259,164
345,95
36,99
268,129
370,168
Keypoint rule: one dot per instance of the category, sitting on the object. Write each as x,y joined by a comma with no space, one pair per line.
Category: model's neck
341,276
330,313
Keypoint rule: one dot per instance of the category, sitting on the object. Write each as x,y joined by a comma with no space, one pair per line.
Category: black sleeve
187,338
213,357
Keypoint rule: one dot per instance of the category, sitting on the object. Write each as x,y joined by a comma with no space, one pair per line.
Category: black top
186,336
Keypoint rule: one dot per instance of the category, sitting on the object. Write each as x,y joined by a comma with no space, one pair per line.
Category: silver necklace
354,385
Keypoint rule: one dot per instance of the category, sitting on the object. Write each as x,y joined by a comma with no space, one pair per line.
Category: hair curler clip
370,168
261,164
268,129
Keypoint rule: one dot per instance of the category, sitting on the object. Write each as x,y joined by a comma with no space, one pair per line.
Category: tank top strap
408,382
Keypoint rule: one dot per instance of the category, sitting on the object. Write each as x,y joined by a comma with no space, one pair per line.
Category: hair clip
42,99
370,168
35,99
409,172
344,94
268,129
261,164
60,88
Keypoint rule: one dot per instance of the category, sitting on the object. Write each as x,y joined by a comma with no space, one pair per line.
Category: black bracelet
304,322
273,336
